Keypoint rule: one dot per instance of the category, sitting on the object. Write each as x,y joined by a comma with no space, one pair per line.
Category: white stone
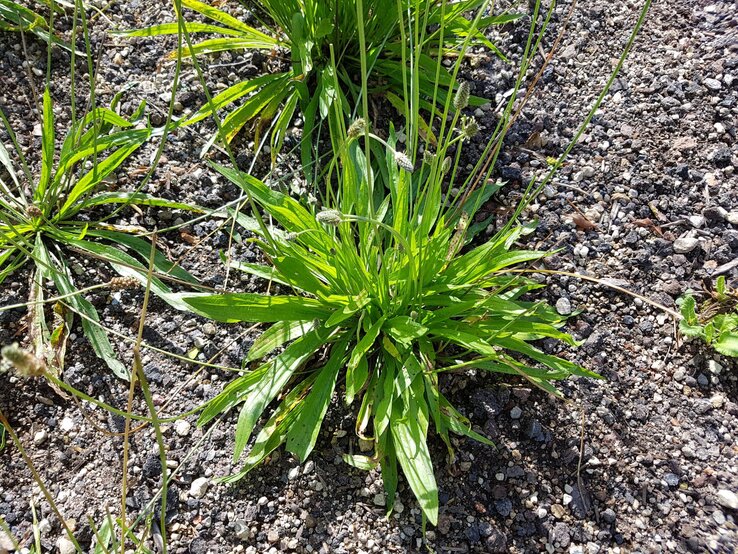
199,487
727,499
563,306
379,499
712,84
65,546
40,437
516,412
6,543
67,424
696,221
182,428
732,217
685,245
294,473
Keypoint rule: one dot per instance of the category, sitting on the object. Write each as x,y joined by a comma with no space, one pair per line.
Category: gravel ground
655,176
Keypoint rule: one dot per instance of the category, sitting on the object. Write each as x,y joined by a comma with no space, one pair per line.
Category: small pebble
685,245
40,437
65,546
199,487
727,499
563,306
182,427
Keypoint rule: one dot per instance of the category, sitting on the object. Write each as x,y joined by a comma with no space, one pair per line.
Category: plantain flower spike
357,128
122,283
469,127
404,162
329,217
461,100
428,157
25,363
446,164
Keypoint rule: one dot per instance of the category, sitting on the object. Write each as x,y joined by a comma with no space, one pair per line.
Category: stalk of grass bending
167,126
148,346
155,423
17,148
39,481
365,99
92,101
183,32
124,464
486,163
72,68
49,44
54,298
6,529
29,73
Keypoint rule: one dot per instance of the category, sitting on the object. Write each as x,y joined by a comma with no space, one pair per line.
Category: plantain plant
384,292
43,218
322,39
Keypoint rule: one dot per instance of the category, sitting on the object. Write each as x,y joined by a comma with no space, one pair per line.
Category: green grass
321,42
17,18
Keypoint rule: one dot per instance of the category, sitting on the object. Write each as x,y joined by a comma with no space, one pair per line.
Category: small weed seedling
717,320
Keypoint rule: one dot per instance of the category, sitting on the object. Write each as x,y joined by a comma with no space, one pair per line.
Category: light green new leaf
278,334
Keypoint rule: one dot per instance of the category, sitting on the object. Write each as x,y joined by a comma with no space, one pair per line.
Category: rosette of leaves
717,320
322,38
46,216
386,294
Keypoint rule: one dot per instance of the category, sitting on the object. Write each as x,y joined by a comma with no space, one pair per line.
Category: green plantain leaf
234,307
276,375
414,457
304,431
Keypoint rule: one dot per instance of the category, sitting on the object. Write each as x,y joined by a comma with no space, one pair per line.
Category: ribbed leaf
234,307
276,375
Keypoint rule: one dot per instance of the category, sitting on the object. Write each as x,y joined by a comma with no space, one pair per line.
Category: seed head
289,237
357,128
461,100
34,211
25,363
428,157
122,283
469,127
446,164
329,217
404,162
